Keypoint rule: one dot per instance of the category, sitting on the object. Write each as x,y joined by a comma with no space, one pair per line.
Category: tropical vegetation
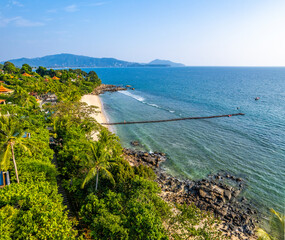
51,148
277,225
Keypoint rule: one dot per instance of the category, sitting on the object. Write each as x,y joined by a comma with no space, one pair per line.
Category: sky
193,32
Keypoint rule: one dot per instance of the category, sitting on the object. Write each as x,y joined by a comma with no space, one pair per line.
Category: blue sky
194,32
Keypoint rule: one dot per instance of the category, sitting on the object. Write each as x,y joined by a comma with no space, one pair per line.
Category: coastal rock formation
220,194
135,143
136,158
107,88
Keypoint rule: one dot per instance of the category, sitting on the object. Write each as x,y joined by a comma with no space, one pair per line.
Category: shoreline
101,116
238,216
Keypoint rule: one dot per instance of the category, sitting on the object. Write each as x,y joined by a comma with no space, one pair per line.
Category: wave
142,100
137,97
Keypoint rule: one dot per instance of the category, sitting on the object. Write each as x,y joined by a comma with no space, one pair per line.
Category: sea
251,146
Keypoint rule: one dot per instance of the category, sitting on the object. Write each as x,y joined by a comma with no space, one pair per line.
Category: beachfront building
4,90
26,75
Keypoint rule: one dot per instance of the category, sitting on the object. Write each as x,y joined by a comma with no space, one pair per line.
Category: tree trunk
15,165
97,176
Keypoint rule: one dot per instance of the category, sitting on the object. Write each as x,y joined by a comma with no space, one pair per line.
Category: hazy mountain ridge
70,60
167,62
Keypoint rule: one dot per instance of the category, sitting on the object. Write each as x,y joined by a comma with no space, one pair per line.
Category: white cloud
52,11
12,3
97,4
19,22
71,8
16,3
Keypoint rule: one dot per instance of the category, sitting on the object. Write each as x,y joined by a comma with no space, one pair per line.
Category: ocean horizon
250,146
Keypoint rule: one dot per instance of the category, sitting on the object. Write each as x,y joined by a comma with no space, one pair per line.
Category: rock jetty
220,194
107,88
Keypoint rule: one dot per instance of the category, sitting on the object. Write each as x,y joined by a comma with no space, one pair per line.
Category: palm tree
98,162
104,153
10,135
23,98
278,226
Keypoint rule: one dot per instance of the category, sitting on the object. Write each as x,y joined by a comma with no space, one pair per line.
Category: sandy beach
100,116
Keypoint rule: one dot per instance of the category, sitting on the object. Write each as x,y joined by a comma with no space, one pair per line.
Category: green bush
145,172
34,212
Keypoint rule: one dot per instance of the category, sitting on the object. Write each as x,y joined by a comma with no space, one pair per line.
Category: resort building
4,90
27,75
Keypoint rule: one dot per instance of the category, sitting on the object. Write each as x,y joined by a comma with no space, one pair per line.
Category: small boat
257,98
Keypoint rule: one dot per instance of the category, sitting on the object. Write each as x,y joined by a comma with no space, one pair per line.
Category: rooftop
5,90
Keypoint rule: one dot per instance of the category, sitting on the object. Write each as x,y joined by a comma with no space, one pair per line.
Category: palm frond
108,174
5,157
278,215
262,234
24,147
91,174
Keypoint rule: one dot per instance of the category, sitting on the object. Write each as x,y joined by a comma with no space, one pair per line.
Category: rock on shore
107,88
213,194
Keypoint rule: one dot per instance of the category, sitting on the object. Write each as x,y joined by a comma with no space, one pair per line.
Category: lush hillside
70,60
166,62
109,198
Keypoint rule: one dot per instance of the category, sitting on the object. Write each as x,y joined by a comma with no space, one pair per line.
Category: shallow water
250,146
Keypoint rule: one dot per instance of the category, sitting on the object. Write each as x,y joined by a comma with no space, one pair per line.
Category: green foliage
145,172
127,204
22,98
189,222
7,219
115,217
277,225
26,68
34,211
9,68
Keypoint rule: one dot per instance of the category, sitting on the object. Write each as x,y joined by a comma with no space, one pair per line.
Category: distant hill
166,62
70,60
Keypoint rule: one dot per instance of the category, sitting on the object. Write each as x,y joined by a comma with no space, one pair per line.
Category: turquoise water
250,146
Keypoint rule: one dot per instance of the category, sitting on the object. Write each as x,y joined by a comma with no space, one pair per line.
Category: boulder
227,194
202,193
135,143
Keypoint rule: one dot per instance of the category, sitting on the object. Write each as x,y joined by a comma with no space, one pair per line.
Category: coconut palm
278,226
10,135
22,98
99,162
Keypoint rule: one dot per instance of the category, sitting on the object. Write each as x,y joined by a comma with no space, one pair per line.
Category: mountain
166,62
70,60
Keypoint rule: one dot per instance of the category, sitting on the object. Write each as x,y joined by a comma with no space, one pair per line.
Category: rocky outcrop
107,88
212,194
135,143
220,194
136,158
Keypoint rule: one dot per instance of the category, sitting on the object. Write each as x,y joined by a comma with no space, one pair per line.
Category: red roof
26,75
4,90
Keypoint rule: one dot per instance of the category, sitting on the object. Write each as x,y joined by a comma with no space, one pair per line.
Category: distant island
166,62
65,60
